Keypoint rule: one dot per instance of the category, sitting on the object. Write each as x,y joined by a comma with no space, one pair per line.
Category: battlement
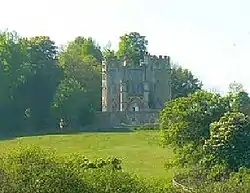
156,61
148,60
154,57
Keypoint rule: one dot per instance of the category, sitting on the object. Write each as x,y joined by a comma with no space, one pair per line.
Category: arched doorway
135,105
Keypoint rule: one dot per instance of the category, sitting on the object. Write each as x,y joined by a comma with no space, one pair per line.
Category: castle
134,93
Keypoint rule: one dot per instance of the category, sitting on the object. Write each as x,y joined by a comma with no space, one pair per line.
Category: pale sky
209,37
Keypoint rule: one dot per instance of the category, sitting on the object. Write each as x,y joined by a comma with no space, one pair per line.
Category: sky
209,37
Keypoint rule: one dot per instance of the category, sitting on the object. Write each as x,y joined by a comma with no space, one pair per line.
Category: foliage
41,86
132,45
196,180
235,87
229,142
77,162
237,183
240,102
183,82
186,120
79,93
209,133
33,170
27,67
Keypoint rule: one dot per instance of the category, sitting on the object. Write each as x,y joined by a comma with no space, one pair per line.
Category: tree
42,83
108,54
134,46
240,99
79,93
241,102
235,87
185,121
14,71
183,82
229,141
83,47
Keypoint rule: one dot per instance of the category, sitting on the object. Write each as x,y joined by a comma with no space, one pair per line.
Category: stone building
134,94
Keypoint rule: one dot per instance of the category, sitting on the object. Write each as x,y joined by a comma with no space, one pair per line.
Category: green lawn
139,151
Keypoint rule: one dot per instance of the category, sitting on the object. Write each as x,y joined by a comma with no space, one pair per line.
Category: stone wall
116,119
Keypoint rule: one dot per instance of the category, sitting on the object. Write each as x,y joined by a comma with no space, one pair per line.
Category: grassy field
139,151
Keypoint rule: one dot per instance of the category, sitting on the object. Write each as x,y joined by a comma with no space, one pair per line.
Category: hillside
139,151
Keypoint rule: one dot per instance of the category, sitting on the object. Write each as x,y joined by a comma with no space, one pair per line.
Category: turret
164,62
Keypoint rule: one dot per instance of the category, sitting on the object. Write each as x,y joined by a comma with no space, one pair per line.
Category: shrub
78,162
239,182
33,170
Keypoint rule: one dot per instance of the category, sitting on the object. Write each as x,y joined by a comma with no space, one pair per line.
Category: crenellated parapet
156,61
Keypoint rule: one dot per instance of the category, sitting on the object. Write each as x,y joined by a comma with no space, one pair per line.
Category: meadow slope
140,151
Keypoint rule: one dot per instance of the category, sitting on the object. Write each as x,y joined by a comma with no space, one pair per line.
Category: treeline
40,83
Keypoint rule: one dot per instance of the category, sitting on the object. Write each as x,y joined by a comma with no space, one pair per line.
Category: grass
140,151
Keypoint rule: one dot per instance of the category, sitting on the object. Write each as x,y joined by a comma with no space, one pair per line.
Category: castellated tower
127,88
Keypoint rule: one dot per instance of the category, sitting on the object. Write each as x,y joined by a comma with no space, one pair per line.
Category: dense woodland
40,83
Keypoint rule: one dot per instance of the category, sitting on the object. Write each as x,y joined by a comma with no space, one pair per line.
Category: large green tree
79,93
185,122
41,85
132,45
183,82
228,144
14,72
29,77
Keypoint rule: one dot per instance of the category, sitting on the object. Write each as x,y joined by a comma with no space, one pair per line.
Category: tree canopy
208,132
132,45
183,82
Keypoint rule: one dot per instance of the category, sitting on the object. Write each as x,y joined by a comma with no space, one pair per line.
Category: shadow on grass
13,135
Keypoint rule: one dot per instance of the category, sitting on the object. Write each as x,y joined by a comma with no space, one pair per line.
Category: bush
102,181
32,170
78,162
239,182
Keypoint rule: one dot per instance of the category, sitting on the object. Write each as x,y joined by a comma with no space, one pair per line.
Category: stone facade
134,94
